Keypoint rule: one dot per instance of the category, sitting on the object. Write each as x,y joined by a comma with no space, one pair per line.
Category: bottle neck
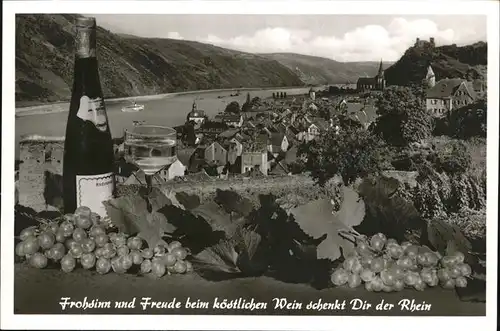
85,42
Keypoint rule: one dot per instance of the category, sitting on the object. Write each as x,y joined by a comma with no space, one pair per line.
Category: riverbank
63,106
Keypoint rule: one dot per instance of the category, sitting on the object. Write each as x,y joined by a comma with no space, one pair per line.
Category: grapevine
383,264
86,240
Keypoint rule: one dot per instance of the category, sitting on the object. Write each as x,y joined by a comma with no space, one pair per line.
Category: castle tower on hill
430,78
419,43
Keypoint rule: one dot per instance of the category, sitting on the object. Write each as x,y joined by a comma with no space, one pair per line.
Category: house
430,78
295,131
279,168
212,128
197,160
312,107
198,138
254,160
449,94
277,142
312,94
231,120
196,115
479,87
175,169
249,124
316,125
312,132
365,115
215,153
376,83
229,133
184,155
124,170
234,149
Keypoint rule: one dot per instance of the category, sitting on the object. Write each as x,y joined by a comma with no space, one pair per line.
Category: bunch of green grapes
385,265
166,259
84,239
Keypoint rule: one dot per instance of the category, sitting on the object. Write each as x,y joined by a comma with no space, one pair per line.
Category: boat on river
133,108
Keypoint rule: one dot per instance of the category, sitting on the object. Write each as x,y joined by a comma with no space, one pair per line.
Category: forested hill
450,61
131,66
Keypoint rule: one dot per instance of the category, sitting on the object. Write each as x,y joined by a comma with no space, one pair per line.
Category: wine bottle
88,176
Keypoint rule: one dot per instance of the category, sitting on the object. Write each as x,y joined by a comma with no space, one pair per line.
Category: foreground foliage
226,237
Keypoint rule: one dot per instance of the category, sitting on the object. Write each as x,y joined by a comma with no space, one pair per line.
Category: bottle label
93,110
91,191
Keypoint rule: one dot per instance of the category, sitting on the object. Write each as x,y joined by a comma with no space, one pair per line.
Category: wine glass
151,148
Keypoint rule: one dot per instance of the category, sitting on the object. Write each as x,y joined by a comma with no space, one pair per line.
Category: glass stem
149,189
149,183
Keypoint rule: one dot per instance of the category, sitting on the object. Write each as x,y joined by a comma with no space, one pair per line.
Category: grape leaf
386,210
238,256
171,195
158,199
317,219
218,218
189,201
153,230
447,239
129,214
233,202
441,233
217,261
192,231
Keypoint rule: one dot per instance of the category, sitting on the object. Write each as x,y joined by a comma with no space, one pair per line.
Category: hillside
447,62
319,71
131,66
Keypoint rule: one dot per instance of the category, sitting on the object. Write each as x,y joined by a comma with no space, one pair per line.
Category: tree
469,121
233,107
352,152
455,158
403,118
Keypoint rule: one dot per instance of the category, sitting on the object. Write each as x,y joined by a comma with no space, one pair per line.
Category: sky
345,38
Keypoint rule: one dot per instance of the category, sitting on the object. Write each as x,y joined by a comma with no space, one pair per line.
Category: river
169,110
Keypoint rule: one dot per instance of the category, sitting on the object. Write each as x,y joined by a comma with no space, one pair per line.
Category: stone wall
38,156
41,159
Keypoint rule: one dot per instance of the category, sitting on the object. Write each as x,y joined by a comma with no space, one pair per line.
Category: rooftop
445,88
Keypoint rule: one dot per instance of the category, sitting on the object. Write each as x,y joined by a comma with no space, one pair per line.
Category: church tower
430,78
380,79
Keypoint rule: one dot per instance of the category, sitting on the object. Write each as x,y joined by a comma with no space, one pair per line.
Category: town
262,136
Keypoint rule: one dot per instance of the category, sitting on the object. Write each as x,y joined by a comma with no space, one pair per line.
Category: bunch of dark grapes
84,239
383,264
